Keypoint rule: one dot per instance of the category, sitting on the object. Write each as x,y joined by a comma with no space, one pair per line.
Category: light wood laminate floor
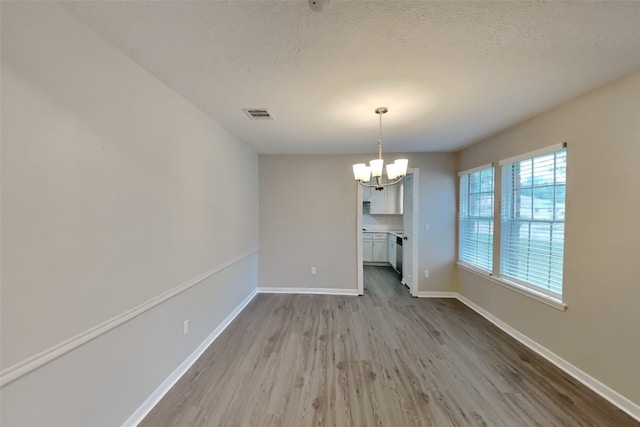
383,359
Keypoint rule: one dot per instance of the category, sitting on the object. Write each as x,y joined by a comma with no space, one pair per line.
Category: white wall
115,191
599,333
308,218
380,222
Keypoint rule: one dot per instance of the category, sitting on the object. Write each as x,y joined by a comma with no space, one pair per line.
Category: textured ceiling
449,72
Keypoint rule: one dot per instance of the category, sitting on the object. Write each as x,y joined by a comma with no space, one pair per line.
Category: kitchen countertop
394,233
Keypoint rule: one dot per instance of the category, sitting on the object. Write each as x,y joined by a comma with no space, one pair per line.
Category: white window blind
532,225
475,228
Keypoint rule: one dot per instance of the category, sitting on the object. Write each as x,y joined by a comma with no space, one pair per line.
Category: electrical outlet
427,227
426,274
185,327
313,270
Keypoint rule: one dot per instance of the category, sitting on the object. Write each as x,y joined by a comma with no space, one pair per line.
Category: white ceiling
450,73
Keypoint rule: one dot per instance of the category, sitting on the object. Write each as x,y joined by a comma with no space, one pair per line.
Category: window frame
509,219
463,215
533,291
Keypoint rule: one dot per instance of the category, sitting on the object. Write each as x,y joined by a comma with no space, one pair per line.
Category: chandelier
395,171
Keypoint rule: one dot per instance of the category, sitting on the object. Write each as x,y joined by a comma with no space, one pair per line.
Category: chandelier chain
380,112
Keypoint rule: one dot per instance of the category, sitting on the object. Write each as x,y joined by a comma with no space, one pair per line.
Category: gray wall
437,207
600,331
308,218
115,191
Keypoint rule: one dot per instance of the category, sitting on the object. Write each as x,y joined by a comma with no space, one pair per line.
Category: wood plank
383,359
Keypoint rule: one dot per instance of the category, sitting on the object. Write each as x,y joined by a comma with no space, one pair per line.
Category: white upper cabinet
366,194
388,201
378,201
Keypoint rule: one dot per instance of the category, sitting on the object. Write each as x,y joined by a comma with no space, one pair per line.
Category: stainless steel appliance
399,254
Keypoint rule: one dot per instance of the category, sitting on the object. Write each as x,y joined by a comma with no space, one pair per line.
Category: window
532,223
475,227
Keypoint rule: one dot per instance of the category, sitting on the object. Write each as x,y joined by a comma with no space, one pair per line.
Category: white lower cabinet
374,247
367,247
379,249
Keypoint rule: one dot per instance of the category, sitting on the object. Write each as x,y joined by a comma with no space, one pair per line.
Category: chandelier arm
394,182
381,185
367,185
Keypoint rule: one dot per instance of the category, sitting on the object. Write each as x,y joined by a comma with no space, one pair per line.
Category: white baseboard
435,294
607,393
307,291
166,385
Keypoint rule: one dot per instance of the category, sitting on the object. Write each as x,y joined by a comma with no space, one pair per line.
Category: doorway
409,243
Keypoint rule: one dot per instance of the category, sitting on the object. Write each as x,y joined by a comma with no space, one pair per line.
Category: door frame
413,290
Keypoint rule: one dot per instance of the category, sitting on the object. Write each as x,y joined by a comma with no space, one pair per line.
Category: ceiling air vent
258,113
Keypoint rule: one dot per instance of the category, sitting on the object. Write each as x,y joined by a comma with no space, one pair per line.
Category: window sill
545,299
